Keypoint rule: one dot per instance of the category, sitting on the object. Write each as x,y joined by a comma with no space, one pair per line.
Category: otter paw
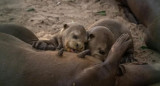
121,45
81,55
59,47
84,53
60,52
39,45
50,47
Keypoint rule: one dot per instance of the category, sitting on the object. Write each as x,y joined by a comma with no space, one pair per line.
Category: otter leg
43,45
60,52
60,45
139,75
50,47
84,53
130,16
104,74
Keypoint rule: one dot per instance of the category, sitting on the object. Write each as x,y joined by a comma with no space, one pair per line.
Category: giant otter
72,38
19,31
102,35
21,65
148,13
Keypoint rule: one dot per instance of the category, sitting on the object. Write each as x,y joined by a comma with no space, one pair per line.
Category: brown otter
102,35
21,65
148,13
19,31
72,38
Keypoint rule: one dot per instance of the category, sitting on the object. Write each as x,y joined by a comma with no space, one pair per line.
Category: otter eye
91,36
75,37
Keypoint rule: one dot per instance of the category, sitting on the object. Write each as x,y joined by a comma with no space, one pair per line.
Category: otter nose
77,45
102,52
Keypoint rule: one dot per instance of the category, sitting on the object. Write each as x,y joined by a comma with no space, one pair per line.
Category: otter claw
84,53
59,47
39,45
60,52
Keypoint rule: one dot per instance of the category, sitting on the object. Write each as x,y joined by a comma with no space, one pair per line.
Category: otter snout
99,53
79,46
76,46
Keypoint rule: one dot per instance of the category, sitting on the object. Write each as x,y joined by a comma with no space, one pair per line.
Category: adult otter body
148,13
21,65
19,31
102,35
72,38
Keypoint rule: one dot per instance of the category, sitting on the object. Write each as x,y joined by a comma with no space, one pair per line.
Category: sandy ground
46,17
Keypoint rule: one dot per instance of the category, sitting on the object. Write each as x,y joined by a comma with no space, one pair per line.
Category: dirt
46,17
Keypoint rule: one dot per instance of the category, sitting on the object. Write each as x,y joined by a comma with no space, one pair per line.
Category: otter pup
102,35
71,38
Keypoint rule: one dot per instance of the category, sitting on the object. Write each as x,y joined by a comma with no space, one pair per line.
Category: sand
46,17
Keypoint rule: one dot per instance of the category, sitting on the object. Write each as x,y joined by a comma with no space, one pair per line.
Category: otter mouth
72,50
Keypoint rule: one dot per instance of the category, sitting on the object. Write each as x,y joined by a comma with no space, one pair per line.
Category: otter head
74,37
100,41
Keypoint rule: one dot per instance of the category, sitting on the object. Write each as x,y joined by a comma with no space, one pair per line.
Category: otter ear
65,26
